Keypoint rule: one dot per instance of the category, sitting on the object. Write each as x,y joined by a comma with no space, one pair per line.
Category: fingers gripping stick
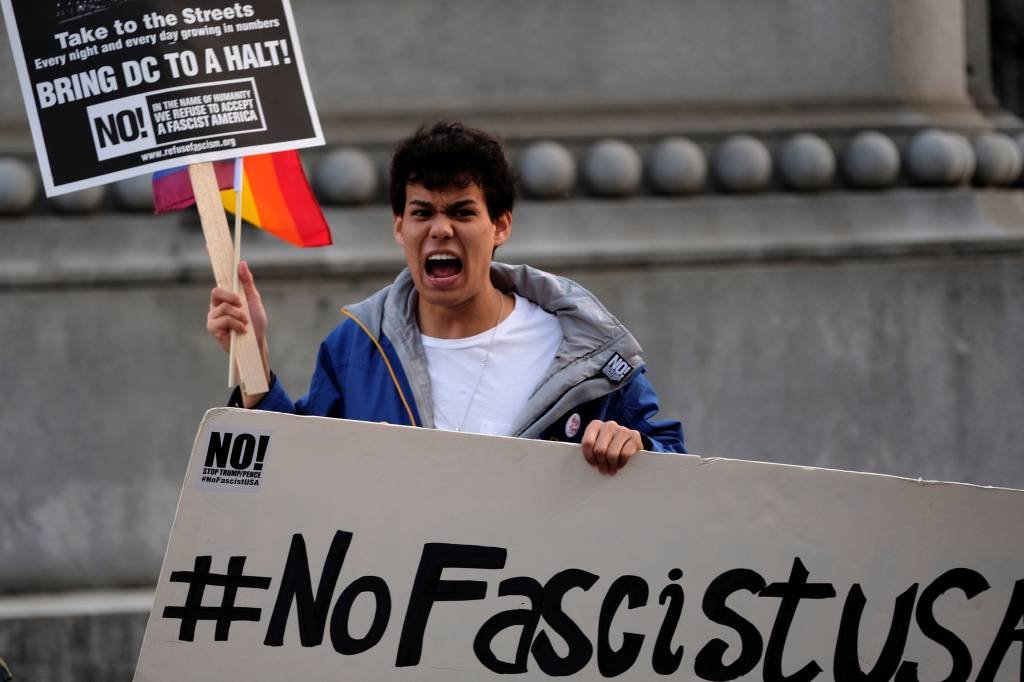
218,244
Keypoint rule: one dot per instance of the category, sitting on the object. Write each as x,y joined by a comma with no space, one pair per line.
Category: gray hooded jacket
597,356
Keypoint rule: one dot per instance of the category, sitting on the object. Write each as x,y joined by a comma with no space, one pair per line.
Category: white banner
313,549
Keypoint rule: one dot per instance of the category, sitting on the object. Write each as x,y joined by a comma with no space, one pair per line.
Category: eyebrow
462,203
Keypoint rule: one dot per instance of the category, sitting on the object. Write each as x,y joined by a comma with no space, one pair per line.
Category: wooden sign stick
218,244
239,182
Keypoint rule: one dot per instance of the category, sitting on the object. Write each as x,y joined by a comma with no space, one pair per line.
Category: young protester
460,342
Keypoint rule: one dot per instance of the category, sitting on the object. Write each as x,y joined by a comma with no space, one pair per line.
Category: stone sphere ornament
383,170
968,160
547,170
806,162
1000,160
742,164
83,201
612,168
345,176
134,194
19,186
938,158
1018,140
871,160
677,166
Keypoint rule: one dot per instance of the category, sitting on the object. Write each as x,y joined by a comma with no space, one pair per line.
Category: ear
502,228
397,230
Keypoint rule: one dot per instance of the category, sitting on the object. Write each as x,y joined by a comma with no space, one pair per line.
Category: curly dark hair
448,154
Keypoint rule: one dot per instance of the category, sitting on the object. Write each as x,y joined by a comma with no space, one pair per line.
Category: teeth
442,256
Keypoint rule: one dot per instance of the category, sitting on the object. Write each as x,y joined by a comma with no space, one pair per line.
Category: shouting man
460,342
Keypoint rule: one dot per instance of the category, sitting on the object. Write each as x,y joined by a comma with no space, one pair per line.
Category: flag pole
239,182
252,375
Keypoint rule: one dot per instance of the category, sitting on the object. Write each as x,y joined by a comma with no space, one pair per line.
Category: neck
468,318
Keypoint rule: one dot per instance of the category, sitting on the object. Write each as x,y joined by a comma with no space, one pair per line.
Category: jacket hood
591,338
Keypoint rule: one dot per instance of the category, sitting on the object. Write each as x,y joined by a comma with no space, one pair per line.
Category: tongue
446,268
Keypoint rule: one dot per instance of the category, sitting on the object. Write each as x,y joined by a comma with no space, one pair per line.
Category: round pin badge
572,426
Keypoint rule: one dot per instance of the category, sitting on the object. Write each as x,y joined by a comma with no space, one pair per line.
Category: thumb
246,278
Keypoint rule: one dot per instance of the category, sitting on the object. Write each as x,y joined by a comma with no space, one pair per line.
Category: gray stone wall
83,648
875,332
585,54
883,343
597,67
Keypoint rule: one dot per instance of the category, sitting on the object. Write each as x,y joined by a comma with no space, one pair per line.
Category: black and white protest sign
234,459
115,88
375,552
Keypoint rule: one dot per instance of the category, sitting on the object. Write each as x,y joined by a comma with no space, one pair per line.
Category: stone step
84,636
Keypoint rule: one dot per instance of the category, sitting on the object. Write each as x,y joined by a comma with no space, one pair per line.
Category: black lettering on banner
710,662
580,648
428,587
790,592
243,450
341,638
261,452
664,660
125,126
219,449
1009,632
546,602
297,586
106,131
610,662
971,583
527,619
846,664
193,610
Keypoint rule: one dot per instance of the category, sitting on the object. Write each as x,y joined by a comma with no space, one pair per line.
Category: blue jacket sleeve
323,399
638,405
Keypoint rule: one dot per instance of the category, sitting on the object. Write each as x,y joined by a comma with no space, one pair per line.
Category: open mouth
443,265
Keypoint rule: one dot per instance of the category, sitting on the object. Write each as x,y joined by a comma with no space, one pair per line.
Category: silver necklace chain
480,374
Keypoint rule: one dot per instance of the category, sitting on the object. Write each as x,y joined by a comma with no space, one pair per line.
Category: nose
441,227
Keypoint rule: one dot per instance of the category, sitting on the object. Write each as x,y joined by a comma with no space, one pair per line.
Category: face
448,239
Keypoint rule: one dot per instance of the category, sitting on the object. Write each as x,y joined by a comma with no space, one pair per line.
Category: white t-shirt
524,346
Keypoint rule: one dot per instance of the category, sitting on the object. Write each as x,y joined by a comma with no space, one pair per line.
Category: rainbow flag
276,197
172,188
